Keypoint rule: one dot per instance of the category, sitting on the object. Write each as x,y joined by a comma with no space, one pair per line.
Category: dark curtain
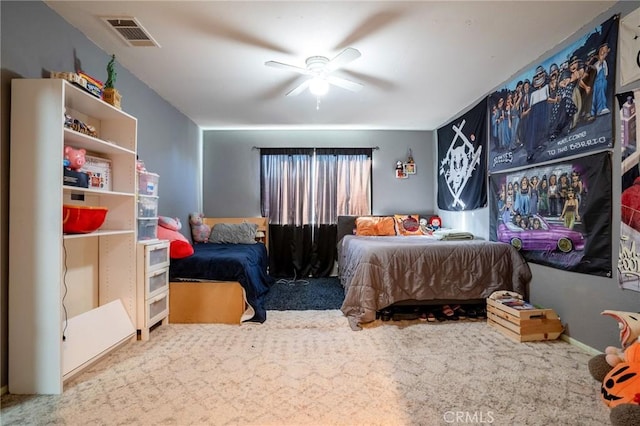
302,251
302,207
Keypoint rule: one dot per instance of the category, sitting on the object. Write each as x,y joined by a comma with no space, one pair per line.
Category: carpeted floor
305,294
310,368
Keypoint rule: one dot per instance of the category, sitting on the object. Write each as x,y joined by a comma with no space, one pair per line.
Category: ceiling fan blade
301,88
288,67
344,83
371,25
347,55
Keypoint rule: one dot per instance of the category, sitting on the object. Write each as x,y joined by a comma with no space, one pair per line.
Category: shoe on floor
472,314
449,313
482,312
460,311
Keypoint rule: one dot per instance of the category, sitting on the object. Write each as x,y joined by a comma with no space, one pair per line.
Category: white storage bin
158,282
157,308
156,256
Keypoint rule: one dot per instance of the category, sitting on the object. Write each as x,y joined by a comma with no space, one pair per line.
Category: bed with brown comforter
379,271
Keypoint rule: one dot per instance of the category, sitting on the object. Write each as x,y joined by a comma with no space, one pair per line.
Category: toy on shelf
79,126
82,80
110,94
74,158
72,161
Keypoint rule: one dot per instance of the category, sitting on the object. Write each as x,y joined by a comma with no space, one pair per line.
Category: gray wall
231,177
34,40
579,299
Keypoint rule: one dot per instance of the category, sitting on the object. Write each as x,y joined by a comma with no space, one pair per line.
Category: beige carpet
310,368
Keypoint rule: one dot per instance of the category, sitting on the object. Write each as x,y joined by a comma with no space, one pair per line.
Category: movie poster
629,259
630,48
557,214
560,108
462,164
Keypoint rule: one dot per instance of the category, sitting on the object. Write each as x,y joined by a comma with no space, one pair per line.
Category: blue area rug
305,294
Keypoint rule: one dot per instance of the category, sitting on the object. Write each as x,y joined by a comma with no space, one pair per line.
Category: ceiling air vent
131,31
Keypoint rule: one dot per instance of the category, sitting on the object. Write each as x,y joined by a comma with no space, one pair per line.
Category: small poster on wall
557,214
560,108
629,260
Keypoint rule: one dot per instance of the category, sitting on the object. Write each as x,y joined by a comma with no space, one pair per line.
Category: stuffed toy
199,231
619,371
74,158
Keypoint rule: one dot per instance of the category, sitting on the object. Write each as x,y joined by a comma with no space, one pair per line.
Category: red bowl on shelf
82,219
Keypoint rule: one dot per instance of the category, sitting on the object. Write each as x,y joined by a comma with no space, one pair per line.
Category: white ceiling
422,62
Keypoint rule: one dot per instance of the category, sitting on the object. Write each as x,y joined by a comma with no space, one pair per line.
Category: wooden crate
525,325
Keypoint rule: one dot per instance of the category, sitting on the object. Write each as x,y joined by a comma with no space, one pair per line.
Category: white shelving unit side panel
35,259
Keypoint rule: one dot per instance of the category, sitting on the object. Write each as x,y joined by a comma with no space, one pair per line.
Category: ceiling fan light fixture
319,86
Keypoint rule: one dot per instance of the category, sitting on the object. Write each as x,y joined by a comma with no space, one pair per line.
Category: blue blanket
245,263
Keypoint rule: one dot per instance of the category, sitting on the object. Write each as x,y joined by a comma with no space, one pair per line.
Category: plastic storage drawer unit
147,229
147,206
148,183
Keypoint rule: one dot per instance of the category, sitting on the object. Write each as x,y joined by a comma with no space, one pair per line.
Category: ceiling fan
319,69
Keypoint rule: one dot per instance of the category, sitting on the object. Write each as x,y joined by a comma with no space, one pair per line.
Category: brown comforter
379,271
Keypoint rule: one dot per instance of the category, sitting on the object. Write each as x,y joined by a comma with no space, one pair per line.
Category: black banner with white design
462,164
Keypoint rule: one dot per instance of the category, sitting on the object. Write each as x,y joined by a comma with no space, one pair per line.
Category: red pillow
179,246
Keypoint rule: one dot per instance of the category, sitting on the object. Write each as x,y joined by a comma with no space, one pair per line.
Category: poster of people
560,108
629,259
557,214
462,164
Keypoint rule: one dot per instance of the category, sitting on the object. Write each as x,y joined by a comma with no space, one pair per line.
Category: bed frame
217,302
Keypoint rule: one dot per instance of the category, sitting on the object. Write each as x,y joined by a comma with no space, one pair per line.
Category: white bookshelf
72,298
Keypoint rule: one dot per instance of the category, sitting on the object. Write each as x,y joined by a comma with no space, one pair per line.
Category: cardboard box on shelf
99,171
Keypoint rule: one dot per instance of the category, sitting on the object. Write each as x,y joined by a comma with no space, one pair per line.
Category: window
314,186
303,191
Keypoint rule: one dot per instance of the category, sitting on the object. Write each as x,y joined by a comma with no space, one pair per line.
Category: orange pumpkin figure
622,384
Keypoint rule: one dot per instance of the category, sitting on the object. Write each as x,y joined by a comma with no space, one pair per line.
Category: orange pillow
375,226
408,224
179,246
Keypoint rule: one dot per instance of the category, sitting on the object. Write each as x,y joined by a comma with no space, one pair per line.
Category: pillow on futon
408,224
375,226
179,246
171,223
234,233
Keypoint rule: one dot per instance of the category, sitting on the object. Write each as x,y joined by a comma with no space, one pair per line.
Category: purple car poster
561,107
629,259
557,214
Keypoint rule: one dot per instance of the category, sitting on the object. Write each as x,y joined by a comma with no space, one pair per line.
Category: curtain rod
375,148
